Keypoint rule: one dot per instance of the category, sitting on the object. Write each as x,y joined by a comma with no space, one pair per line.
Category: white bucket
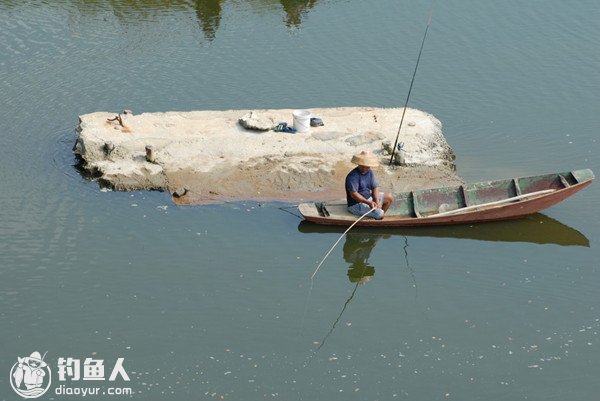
301,120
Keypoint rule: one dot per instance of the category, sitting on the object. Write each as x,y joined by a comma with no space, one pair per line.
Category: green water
216,302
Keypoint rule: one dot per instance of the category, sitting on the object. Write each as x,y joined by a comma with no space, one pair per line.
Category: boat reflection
536,228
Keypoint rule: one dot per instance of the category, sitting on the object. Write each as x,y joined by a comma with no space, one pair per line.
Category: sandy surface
214,158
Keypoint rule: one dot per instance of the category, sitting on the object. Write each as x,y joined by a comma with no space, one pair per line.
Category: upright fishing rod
395,144
411,85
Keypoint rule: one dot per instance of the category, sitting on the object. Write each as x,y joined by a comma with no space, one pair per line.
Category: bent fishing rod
411,86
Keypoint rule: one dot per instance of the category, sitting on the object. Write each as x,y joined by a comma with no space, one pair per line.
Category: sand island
210,156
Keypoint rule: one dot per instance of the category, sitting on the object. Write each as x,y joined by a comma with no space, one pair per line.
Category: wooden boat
467,203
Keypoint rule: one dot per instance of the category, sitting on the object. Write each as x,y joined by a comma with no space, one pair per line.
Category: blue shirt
364,184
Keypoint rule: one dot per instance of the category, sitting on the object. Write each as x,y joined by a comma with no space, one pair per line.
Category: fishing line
340,315
322,343
411,84
314,352
410,269
287,210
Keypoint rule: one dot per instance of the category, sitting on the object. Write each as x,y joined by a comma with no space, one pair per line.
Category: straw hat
365,158
36,359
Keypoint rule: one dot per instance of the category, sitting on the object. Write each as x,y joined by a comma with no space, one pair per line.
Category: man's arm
358,197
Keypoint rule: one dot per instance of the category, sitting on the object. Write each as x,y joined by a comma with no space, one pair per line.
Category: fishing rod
336,242
411,86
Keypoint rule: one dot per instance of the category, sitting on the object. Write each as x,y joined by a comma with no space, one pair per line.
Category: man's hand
375,197
371,203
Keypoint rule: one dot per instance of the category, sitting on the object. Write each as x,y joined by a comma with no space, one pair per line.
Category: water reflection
357,250
295,10
537,228
208,12
324,340
360,242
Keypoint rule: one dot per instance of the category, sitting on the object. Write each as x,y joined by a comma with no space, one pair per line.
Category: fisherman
362,192
30,371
